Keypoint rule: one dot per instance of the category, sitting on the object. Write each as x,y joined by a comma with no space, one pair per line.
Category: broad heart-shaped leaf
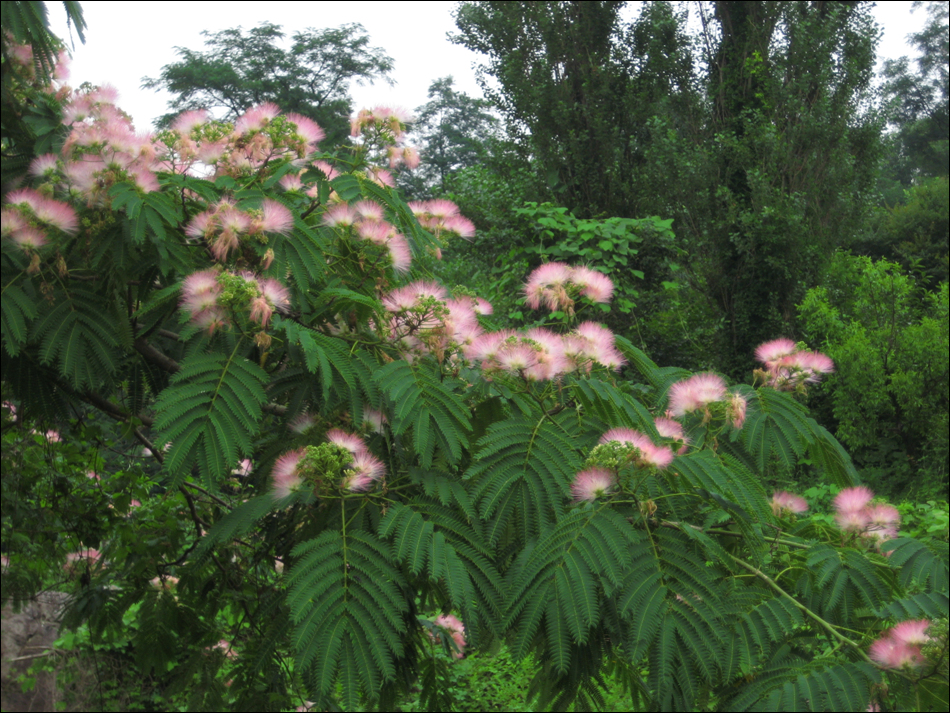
424,401
210,413
349,604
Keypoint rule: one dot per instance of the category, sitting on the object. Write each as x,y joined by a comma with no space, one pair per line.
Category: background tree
242,69
918,105
453,132
763,152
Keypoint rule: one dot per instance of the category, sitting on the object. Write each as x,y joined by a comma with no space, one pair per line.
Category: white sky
127,41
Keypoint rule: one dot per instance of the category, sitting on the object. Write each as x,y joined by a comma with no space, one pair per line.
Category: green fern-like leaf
926,604
79,338
346,599
776,425
923,564
424,402
560,578
524,465
610,405
17,310
210,414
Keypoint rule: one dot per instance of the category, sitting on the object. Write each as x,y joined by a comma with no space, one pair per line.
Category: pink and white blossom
592,483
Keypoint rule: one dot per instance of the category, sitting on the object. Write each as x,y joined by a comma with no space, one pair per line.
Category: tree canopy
240,69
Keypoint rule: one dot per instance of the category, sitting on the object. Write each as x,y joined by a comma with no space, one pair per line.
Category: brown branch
154,356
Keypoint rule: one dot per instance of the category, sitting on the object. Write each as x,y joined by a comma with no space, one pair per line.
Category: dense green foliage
242,69
276,463
754,138
889,340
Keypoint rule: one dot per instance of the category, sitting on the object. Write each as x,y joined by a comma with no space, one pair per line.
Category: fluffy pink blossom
883,515
371,210
770,352
327,169
892,654
912,632
455,629
736,409
852,520
29,238
302,422
350,441
47,210
365,470
274,292
592,483
256,118
852,500
44,165
784,503
308,129
600,345
668,428
285,475
399,253
188,120
650,453
341,214
696,392
595,286
459,225
375,419
276,218
291,182
547,285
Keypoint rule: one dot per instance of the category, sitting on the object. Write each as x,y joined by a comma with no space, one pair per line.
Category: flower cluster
617,448
789,368
556,285
365,220
454,628
648,454
900,646
28,218
343,451
856,513
540,354
224,227
700,391
442,218
785,504
261,135
102,149
210,297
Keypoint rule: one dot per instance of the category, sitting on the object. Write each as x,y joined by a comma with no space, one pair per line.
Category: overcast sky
127,41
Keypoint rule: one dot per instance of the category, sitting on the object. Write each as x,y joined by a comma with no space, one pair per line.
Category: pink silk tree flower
365,470
784,503
285,476
852,500
770,352
592,483
696,392
668,428
735,410
276,218
455,629
912,632
350,441
594,285
889,652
